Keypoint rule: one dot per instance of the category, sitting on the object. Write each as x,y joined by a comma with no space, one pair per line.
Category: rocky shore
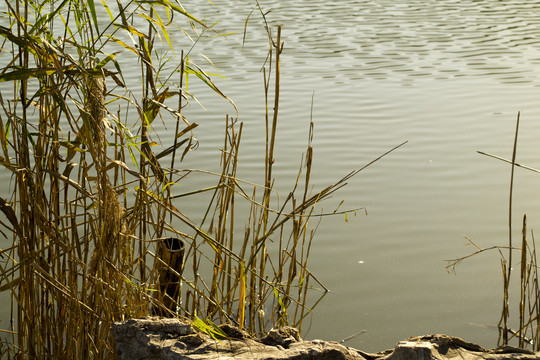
172,339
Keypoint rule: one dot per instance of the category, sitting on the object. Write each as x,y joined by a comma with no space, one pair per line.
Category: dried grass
93,207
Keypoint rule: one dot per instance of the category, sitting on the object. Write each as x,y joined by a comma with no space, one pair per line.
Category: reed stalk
93,208
527,326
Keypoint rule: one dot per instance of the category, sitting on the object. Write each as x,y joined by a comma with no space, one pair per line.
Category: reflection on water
382,39
439,39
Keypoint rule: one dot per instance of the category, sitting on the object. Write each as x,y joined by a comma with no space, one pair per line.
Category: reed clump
93,192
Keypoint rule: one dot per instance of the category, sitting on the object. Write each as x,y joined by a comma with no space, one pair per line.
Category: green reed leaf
132,30
105,61
175,8
208,328
22,74
92,7
24,43
111,17
42,20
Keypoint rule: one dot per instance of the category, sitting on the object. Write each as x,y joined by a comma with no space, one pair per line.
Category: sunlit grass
93,208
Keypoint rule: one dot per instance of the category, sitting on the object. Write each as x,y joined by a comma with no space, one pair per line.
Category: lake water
448,76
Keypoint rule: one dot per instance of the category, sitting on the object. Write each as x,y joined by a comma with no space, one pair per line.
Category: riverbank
173,339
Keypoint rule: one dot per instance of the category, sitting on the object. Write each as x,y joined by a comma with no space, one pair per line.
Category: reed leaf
93,202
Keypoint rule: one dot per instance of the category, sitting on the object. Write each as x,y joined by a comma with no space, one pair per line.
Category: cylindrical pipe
169,263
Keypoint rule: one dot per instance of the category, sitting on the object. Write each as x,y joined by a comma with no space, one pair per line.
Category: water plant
93,201
525,329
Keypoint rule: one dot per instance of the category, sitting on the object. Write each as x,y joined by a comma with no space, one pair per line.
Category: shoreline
174,339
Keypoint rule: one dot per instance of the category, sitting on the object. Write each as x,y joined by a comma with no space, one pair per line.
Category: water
449,77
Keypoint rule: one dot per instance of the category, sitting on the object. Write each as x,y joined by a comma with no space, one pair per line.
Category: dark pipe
171,252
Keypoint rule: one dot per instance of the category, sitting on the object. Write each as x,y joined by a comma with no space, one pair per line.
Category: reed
525,331
93,203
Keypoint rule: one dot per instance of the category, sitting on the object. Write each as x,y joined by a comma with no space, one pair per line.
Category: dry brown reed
91,200
527,323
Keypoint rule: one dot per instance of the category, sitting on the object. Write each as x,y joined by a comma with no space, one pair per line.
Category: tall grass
93,206
524,329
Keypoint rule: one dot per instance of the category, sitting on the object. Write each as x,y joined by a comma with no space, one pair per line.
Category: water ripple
382,39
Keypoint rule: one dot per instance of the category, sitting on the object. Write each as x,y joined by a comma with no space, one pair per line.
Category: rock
172,339
447,347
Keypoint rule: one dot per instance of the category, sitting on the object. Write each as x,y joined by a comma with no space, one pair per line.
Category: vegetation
94,197
527,321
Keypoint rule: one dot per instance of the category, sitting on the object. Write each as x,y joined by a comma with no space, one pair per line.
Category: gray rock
172,339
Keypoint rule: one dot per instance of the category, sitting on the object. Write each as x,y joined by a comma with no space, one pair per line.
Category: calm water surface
449,77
